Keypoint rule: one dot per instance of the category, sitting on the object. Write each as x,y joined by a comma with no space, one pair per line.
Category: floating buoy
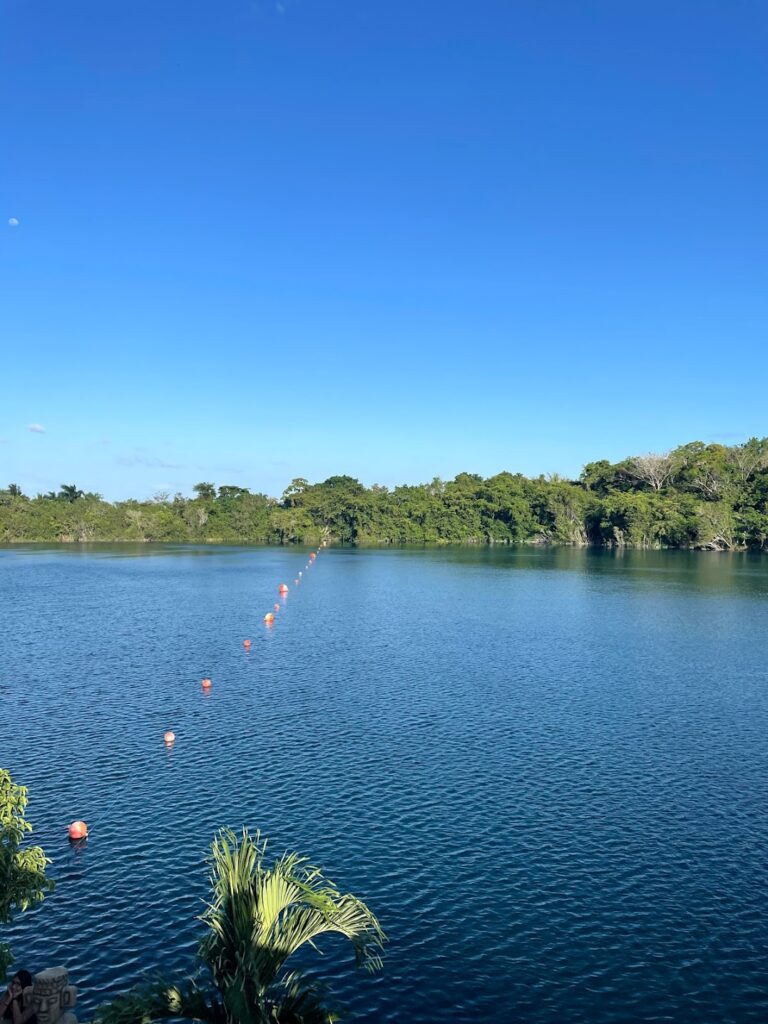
283,588
312,556
269,618
169,737
206,683
295,583
277,607
246,644
300,574
78,830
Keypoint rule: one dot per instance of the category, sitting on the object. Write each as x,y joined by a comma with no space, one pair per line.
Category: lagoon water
545,770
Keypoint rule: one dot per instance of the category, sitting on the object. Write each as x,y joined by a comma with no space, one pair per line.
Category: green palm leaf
257,918
157,999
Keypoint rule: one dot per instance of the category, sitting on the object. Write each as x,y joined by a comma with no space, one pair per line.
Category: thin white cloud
149,461
13,222
36,428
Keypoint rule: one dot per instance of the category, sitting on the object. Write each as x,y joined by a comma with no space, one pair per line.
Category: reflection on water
545,769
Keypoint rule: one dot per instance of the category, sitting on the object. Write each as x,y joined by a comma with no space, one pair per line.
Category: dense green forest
697,496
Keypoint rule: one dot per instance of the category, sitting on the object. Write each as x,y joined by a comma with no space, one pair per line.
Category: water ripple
546,771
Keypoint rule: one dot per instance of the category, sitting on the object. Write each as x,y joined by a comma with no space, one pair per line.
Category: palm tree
258,917
69,492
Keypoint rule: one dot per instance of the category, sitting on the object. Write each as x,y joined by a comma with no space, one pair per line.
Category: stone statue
53,996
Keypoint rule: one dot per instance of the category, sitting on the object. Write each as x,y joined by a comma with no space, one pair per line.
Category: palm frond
295,1000
257,918
159,999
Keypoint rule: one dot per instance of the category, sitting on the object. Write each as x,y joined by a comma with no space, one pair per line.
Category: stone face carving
53,996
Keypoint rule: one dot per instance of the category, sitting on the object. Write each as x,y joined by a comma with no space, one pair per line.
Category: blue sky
261,240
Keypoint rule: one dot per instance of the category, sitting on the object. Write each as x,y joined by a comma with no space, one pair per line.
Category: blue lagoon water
545,770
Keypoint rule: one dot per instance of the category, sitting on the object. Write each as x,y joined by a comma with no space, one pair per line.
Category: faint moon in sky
13,221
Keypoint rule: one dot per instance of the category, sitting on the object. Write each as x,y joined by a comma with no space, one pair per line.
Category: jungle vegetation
23,881
699,495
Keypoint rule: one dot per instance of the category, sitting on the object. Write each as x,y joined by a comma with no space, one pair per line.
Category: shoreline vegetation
698,496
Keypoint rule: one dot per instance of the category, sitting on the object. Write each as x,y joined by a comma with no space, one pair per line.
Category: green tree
717,526
291,525
294,490
205,491
750,457
340,503
259,915
753,528
506,511
23,881
703,469
15,491
69,492
602,477
229,491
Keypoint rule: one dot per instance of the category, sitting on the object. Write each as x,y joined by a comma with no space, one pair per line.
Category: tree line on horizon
709,496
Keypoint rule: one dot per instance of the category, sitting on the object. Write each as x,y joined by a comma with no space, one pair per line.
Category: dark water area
545,770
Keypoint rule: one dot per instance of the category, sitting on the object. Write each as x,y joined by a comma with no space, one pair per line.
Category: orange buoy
206,684
269,618
283,588
169,737
312,556
246,644
78,830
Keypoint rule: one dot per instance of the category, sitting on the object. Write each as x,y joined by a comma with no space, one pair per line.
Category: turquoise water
545,770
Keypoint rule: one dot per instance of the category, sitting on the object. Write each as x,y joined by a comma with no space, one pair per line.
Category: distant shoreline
698,497
375,545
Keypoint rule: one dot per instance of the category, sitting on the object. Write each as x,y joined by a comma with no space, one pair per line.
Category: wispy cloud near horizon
150,461
36,428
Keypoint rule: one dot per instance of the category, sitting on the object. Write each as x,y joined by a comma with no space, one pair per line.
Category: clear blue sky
394,239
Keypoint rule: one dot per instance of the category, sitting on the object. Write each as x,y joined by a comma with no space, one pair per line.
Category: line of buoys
78,830
283,590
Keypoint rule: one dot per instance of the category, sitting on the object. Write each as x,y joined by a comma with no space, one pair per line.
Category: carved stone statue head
52,994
